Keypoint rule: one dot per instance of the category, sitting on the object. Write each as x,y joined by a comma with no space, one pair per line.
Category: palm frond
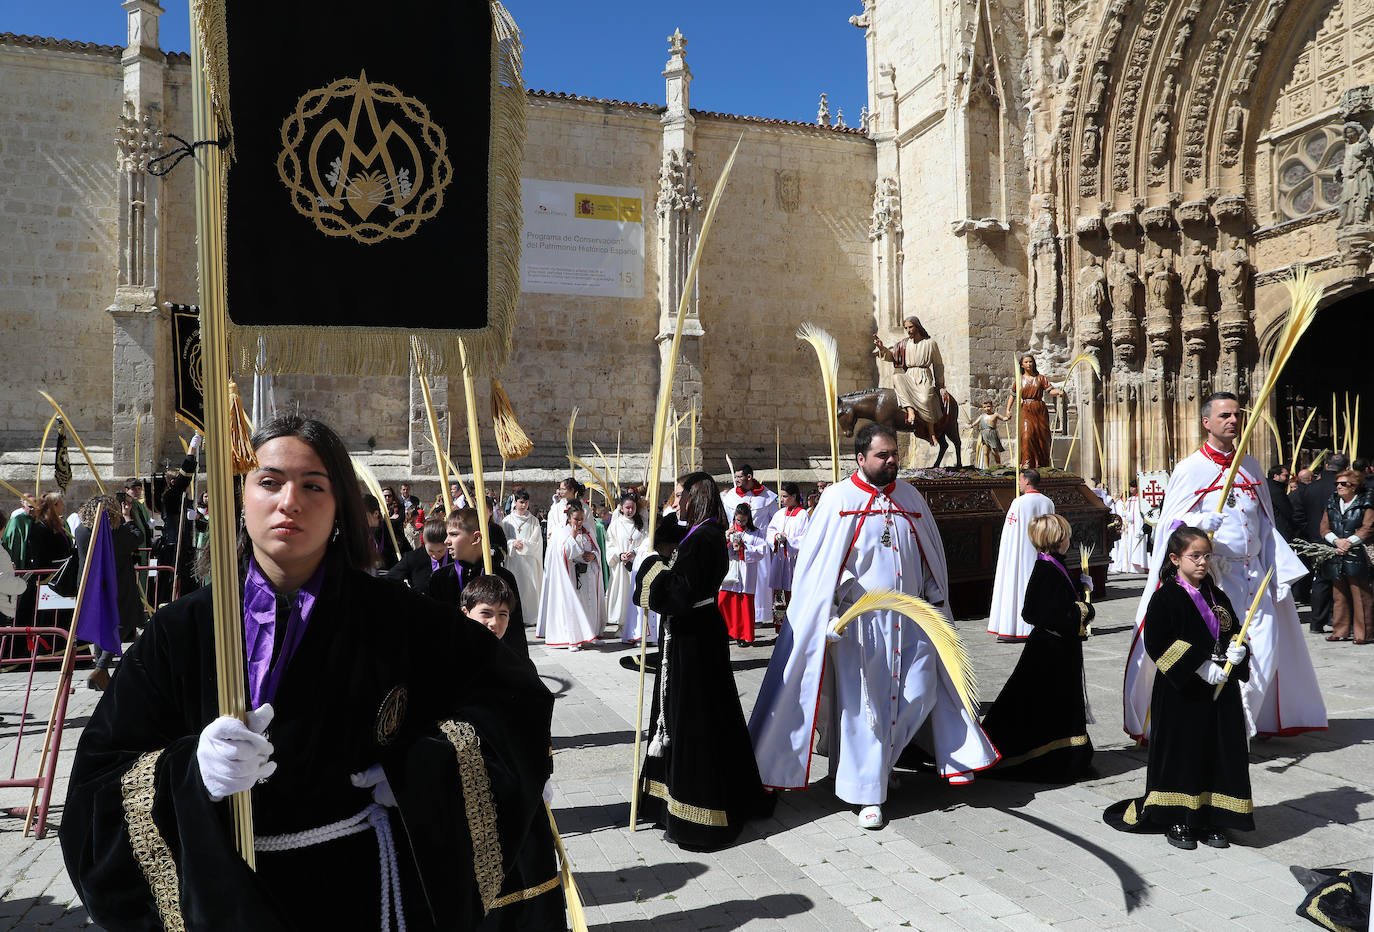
511,439
610,474
375,488
828,355
936,626
1304,295
1297,444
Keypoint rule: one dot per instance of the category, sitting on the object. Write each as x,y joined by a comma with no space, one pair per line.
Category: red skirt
738,609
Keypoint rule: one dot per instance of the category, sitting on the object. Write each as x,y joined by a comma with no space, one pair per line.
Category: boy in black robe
465,547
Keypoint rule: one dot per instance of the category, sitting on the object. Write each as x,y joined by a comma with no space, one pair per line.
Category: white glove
192,514
831,635
375,777
194,445
548,791
1209,521
234,756
1087,581
1236,653
1211,673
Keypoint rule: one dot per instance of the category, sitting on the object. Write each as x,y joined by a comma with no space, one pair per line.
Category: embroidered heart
366,193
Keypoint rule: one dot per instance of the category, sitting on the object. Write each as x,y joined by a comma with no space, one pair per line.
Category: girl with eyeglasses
1197,782
1347,525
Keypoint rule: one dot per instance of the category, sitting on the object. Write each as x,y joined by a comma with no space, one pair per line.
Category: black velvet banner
358,190
189,389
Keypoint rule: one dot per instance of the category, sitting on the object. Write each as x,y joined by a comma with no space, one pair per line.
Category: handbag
733,576
67,580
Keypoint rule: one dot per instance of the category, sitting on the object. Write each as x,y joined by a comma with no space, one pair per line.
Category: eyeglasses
1198,558
1345,485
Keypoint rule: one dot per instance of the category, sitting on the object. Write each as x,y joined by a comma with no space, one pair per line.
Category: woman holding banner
435,771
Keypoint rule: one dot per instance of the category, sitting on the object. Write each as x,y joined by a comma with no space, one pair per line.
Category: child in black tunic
1039,722
1197,783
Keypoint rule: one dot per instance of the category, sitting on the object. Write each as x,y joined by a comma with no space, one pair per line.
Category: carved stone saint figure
1121,282
1196,271
1159,138
1044,268
1357,177
1159,298
1234,131
1097,96
1092,137
1092,301
1235,276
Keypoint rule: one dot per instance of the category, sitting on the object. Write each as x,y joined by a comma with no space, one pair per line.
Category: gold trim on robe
1187,801
529,893
1173,655
480,808
684,811
1077,741
649,576
150,848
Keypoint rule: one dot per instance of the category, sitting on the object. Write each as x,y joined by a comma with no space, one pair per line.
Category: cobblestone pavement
994,855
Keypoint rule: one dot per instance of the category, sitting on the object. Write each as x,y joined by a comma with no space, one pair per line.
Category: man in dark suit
417,566
1309,502
1283,508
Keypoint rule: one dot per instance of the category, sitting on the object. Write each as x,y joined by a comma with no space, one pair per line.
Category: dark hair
465,519
521,496
1206,410
575,506
702,498
487,590
745,468
371,505
351,544
1275,471
637,517
1035,369
1336,462
435,530
1032,477
132,482
748,515
1360,464
864,438
1179,540
792,489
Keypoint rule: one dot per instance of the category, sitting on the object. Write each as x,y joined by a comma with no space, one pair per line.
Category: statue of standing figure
1356,177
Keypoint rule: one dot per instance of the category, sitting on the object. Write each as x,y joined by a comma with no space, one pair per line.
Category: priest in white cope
525,558
882,680
1016,558
1282,696
763,504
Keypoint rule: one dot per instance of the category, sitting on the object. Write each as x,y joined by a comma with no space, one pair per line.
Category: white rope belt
373,817
704,602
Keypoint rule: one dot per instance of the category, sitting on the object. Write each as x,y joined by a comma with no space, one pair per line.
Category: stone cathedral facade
1132,179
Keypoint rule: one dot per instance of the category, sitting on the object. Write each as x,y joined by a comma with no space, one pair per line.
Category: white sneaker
871,817
574,648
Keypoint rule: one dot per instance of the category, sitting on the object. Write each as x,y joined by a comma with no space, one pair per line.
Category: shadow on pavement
633,884
41,912
584,819
1296,817
603,739
721,917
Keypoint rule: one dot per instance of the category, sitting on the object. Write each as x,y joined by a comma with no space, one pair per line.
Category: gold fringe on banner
383,351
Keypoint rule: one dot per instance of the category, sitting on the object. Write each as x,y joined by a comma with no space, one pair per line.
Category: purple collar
694,529
259,625
1205,610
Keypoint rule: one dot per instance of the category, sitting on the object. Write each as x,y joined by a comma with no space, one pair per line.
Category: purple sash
1203,608
1060,567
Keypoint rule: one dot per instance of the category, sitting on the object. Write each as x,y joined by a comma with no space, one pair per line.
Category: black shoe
741,642
1180,836
1215,838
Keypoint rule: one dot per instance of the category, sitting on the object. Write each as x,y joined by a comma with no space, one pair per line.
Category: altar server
1016,559
883,677
747,573
784,536
762,505
623,538
526,555
1281,696
572,604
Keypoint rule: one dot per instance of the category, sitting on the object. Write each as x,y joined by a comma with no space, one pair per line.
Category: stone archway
1329,359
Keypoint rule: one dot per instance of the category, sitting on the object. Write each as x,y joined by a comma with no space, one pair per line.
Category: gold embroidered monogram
363,160
150,848
391,715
